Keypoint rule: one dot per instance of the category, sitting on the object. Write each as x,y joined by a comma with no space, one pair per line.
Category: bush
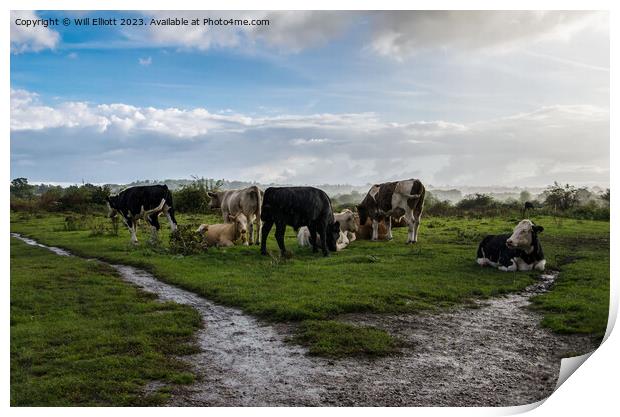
194,197
476,201
187,241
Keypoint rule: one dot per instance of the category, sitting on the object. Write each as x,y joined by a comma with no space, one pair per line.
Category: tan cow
247,201
224,235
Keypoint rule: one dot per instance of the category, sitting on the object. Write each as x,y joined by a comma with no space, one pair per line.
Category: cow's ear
232,218
211,194
538,229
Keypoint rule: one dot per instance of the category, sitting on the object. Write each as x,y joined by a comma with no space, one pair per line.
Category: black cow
297,207
520,251
399,199
143,202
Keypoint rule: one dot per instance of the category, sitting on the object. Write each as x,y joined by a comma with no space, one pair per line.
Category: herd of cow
250,214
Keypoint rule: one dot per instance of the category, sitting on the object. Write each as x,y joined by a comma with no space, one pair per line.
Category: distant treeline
192,197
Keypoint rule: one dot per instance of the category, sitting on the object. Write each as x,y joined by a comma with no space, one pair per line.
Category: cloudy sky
452,98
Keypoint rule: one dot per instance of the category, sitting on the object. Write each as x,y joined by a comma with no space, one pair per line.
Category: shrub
186,241
194,197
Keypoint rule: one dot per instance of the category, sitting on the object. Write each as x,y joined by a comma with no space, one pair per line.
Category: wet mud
495,354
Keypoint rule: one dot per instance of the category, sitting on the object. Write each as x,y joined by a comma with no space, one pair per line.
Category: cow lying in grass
348,227
224,235
520,251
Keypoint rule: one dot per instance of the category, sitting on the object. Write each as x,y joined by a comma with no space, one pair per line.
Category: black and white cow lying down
297,207
520,251
143,202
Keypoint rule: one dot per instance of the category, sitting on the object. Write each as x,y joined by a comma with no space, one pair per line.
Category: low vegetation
80,336
378,277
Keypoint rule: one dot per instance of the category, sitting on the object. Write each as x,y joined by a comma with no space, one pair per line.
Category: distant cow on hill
297,207
394,199
143,202
247,201
520,251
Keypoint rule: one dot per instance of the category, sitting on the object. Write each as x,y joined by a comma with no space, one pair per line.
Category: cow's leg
264,233
280,229
250,230
375,229
225,243
131,225
154,222
312,229
324,230
540,265
258,229
388,226
169,211
410,226
416,225
510,268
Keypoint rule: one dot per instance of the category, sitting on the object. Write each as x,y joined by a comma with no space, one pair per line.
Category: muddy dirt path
495,354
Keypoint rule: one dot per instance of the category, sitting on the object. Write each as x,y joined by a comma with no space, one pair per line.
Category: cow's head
523,235
347,221
333,233
241,226
215,201
362,210
112,202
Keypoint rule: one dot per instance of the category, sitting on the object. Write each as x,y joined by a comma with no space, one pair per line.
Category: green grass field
378,277
80,336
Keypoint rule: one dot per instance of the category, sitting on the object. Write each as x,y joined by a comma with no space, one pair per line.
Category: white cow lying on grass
520,251
225,235
348,228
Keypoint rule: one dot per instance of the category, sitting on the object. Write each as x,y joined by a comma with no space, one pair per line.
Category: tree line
557,199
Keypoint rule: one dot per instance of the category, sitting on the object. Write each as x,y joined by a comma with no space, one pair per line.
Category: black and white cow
394,199
297,207
143,202
520,251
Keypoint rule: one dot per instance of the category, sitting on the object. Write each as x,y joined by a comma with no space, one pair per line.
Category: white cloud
145,62
537,147
406,33
27,39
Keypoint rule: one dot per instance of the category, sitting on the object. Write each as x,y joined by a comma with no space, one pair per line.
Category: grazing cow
247,201
224,235
143,202
365,231
297,207
394,199
527,206
348,227
520,251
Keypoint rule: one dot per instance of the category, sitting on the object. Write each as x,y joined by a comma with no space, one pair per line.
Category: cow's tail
259,206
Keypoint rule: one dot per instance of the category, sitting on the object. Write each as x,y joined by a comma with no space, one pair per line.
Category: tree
476,201
21,189
525,196
605,196
560,197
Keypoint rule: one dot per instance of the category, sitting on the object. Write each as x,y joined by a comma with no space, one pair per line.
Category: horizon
517,98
